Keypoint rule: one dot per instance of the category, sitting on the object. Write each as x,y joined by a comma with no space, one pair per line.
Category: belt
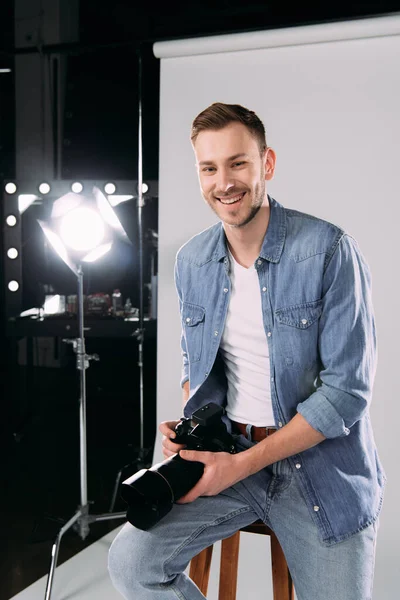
257,434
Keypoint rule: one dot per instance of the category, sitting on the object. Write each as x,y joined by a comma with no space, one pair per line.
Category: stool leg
199,571
229,567
281,578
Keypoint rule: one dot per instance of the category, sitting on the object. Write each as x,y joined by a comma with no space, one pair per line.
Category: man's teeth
231,200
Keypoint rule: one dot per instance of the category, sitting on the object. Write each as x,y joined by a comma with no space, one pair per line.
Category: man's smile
230,199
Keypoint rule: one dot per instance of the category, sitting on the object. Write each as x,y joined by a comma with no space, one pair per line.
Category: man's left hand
221,470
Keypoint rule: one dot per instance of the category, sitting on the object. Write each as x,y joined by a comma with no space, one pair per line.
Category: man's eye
208,169
239,164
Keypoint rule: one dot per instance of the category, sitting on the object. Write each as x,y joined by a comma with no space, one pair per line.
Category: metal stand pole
141,459
81,519
140,226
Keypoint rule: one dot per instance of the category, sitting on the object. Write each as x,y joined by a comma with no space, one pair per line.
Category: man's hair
219,115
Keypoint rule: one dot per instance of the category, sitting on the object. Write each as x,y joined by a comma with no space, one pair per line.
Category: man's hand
221,470
168,447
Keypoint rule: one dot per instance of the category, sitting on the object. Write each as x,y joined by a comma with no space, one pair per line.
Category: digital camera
151,493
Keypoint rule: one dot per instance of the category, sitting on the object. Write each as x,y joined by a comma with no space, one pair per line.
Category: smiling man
277,327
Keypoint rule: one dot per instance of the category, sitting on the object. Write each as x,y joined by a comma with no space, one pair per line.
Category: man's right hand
168,446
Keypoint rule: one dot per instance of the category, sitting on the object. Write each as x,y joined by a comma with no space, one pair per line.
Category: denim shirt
318,318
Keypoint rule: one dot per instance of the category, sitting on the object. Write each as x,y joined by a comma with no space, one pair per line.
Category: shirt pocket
297,333
193,317
301,316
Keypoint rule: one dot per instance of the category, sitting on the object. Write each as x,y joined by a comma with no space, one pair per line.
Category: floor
83,577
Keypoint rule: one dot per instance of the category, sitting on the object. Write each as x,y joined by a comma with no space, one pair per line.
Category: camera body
205,430
151,493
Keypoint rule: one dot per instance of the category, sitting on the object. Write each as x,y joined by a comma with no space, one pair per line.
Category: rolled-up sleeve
185,360
347,344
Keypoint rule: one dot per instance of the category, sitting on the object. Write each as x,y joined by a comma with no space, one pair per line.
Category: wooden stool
200,566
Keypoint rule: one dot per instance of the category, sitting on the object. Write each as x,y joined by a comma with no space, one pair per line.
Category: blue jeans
150,565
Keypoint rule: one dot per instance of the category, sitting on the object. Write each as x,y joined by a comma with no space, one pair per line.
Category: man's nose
224,181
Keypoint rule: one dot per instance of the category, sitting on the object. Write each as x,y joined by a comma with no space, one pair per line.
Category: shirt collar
274,238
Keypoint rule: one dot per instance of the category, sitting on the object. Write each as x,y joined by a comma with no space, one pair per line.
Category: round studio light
109,188
11,220
44,188
77,187
145,188
12,253
11,188
13,285
82,229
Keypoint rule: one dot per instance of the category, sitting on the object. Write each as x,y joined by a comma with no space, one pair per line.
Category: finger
170,445
196,455
192,495
167,427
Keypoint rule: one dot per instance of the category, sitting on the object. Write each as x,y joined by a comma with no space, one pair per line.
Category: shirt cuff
322,416
184,379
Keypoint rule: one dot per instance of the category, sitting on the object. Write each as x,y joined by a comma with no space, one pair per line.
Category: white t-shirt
244,348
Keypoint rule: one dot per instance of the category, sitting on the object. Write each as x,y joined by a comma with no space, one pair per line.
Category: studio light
77,187
145,188
13,286
12,253
27,203
11,220
5,70
44,188
110,188
10,188
82,229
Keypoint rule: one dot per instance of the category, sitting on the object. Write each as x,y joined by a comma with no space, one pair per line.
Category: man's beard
259,195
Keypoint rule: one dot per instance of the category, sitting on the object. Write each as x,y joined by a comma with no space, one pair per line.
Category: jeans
150,565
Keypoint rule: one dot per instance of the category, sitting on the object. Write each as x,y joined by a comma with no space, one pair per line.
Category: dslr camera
151,493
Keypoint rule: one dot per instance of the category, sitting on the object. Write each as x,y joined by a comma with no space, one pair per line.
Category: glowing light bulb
82,229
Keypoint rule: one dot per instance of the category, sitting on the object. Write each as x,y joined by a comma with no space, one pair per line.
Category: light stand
81,519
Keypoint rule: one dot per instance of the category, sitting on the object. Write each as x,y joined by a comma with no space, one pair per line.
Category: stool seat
200,566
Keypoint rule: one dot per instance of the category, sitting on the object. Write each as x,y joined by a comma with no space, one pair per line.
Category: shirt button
269,334
259,262
316,508
272,379
304,321
215,332
188,320
280,424
264,289
226,290
298,466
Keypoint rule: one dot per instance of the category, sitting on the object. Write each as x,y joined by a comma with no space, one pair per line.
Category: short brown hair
219,115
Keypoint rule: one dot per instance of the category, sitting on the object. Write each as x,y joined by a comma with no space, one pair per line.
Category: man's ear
269,164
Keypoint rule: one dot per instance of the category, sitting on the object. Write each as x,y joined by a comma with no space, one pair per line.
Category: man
277,326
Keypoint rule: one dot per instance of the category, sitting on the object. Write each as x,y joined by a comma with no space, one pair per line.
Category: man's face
232,173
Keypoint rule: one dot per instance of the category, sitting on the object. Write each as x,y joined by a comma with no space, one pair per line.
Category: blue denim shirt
315,290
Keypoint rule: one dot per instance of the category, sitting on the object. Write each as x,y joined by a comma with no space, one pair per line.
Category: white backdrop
329,96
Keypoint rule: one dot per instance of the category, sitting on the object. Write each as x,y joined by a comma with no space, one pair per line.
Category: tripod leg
54,552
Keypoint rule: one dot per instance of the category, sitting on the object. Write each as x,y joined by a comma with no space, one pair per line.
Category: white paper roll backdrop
329,96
